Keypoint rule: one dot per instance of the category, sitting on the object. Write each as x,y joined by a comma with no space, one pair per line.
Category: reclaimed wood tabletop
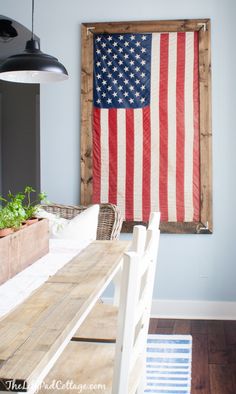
36,332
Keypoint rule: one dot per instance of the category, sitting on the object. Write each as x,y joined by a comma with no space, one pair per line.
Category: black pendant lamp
32,65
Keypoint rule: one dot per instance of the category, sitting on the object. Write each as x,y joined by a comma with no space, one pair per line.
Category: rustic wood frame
203,27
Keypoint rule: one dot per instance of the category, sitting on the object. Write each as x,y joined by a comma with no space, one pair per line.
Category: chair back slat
137,245
154,220
126,327
135,304
138,239
143,308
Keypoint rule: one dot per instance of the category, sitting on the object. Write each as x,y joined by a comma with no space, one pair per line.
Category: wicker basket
109,220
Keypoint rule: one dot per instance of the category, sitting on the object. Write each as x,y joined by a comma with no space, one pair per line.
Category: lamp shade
32,66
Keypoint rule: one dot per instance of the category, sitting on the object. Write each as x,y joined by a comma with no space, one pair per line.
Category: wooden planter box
22,248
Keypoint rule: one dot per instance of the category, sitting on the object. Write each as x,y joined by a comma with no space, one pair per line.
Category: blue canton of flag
122,66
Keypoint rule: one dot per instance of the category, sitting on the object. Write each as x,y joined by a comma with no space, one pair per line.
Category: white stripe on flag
104,156
121,159
189,127
172,127
138,163
154,111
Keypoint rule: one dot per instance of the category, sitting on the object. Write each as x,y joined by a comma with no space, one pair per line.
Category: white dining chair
119,367
101,323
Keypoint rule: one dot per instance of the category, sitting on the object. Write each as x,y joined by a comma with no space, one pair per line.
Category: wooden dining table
37,331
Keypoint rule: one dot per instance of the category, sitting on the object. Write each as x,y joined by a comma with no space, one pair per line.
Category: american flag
146,124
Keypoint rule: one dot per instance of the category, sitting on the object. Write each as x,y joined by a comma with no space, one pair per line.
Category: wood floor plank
165,330
231,352
230,332
233,369
200,377
199,326
165,323
182,327
153,326
217,350
221,379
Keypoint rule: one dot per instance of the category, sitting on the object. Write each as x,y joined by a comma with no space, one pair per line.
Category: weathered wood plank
16,328
22,248
100,325
92,263
171,227
47,320
86,116
205,125
91,360
147,26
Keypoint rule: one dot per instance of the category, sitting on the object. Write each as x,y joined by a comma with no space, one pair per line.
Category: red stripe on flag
180,126
129,187
146,163
96,155
112,125
196,149
163,179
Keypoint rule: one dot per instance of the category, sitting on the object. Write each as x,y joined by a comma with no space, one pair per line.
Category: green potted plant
12,214
18,209
15,204
31,205
8,221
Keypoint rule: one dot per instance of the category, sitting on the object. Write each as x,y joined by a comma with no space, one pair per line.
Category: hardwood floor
213,353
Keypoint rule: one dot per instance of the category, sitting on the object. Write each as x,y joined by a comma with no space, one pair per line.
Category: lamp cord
32,20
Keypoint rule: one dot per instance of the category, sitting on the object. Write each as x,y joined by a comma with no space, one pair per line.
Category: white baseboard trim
181,309
188,309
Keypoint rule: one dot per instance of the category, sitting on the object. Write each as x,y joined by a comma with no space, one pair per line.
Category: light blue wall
190,267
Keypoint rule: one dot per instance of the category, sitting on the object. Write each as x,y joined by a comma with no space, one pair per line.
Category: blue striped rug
168,366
